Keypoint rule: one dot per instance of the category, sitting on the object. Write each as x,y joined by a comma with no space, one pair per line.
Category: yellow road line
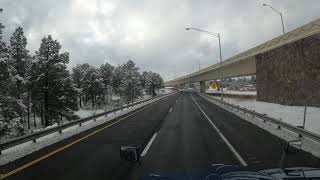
2,176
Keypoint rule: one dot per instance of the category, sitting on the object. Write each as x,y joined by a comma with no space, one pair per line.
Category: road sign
214,85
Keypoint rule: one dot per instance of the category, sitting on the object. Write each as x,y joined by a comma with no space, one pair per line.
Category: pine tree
50,80
21,59
130,85
19,53
117,78
89,84
10,106
105,74
93,86
78,74
153,82
143,79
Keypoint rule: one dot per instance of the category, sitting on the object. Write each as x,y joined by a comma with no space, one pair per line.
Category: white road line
234,151
170,109
146,149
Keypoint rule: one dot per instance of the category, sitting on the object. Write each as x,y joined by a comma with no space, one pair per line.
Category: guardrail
281,124
36,135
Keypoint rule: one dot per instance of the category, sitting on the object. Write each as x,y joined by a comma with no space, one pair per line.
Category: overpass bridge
266,60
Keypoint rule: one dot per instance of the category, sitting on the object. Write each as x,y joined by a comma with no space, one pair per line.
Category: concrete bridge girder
240,68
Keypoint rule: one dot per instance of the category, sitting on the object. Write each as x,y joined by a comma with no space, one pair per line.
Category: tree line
94,84
40,85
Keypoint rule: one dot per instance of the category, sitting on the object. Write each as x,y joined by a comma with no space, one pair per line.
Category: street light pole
282,23
280,13
221,71
220,52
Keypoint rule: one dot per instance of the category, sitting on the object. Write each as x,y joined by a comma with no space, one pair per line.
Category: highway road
187,141
183,132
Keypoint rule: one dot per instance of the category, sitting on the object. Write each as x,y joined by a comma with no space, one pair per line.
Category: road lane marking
146,149
233,150
74,142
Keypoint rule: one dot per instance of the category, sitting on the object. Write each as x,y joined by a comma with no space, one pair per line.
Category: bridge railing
36,135
280,124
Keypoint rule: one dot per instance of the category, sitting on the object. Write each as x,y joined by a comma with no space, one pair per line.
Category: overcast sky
151,32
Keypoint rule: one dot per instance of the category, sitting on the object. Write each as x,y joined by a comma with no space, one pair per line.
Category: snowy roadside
82,113
85,111
24,149
231,92
307,144
289,114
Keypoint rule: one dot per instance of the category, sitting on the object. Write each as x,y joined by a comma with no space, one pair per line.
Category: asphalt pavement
180,133
188,142
96,157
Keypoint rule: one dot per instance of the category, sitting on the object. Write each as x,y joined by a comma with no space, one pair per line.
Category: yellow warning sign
214,85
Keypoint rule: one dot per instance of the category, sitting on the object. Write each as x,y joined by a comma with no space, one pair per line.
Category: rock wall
290,74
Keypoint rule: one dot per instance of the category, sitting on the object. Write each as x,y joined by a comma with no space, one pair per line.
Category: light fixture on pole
216,35
280,13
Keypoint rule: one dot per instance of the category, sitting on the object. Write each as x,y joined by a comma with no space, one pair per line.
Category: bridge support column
202,86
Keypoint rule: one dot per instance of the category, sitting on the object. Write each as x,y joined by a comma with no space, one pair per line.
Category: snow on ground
82,113
290,114
307,144
231,92
24,149
85,111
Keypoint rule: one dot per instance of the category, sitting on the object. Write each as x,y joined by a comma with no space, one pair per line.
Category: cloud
151,33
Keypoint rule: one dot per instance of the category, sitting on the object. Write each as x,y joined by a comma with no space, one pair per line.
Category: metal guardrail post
245,111
279,127
300,135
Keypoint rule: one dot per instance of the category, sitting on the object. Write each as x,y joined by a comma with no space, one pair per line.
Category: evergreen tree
143,79
78,74
117,78
130,85
50,76
89,83
21,62
93,85
19,53
105,74
10,106
153,82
